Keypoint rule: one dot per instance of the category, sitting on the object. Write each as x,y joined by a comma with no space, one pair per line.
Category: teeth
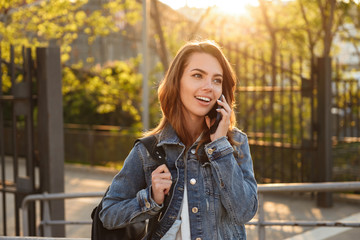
204,99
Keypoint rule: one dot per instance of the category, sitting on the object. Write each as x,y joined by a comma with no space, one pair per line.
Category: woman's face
200,85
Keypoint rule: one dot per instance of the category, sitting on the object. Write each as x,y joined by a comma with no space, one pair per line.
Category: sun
230,7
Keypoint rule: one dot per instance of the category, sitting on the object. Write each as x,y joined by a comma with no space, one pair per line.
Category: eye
197,75
217,80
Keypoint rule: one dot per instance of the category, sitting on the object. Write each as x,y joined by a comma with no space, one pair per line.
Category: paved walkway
277,207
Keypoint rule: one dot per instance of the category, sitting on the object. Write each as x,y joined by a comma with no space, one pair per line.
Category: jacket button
210,151
193,181
193,151
194,209
147,205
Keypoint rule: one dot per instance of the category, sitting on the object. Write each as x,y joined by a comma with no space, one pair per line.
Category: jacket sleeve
129,198
234,175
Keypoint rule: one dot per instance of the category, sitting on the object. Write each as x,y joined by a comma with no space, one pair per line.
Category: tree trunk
161,46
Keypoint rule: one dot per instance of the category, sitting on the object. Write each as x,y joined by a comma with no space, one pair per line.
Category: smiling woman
206,175
227,6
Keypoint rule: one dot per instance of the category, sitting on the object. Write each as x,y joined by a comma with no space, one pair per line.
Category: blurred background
273,46
113,54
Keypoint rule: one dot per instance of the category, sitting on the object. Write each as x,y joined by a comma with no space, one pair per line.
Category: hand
161,183
224,124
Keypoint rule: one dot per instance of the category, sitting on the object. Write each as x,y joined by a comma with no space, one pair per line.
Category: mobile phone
215,114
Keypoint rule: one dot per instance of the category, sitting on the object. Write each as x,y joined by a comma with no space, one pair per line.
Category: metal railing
300,187
46,197
261,223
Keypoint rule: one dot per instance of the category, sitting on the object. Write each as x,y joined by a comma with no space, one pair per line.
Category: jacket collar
169,136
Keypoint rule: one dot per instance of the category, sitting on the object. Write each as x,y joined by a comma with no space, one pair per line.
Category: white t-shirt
180,230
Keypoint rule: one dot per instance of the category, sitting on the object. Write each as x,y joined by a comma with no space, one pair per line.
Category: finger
161,183
223,99
162,176
162,168
224,105
166,191
225,115
161,187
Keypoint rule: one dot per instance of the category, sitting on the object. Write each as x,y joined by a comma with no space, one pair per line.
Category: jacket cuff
147,204
218,148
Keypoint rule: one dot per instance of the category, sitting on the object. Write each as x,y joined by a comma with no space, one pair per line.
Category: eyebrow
204,72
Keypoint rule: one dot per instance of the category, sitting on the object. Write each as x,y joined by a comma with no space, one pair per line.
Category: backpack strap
157,153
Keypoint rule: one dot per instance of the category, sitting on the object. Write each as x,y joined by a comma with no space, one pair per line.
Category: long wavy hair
169,91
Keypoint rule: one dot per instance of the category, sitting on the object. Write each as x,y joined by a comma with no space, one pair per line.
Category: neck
194,127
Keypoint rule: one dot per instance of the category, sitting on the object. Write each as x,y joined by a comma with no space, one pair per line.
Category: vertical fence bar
291,118
263,67
351,107
14,137
30,169
246,83
312,104
261,227
239,79
345,119
301,120
282,122
3,176
254,96
272,117
358,108
337,100
14,121
324,159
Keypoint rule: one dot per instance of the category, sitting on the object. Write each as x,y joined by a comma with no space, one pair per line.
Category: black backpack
134,231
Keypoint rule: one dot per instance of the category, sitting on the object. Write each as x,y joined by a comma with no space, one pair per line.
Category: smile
205,99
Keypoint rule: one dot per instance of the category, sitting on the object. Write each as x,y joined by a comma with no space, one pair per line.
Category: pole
324,160
51,130
145,68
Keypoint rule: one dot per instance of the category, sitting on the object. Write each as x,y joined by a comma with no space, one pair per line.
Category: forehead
205,62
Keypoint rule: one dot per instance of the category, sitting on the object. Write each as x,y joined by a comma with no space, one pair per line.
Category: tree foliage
34,23
97,95
108,94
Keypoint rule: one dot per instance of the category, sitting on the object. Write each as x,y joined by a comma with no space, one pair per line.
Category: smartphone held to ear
215,114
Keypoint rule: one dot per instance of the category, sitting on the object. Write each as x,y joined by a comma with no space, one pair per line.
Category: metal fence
30,85
16,113
281,105
47,222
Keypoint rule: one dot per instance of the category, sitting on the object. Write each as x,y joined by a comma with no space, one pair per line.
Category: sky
228,6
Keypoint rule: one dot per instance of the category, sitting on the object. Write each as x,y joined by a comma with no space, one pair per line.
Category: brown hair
169,90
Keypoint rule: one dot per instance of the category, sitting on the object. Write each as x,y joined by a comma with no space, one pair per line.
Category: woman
208,179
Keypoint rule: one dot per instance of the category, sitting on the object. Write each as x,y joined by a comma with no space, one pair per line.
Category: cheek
184,91
217,91
186,87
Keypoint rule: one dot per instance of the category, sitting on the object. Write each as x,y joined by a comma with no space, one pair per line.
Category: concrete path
277,207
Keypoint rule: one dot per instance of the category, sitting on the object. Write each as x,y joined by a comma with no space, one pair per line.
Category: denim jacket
222,192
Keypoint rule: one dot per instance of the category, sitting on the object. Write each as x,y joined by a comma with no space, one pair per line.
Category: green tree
36,23
109,94
98,94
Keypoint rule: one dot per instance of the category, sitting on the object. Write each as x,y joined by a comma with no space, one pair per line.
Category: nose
208,84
